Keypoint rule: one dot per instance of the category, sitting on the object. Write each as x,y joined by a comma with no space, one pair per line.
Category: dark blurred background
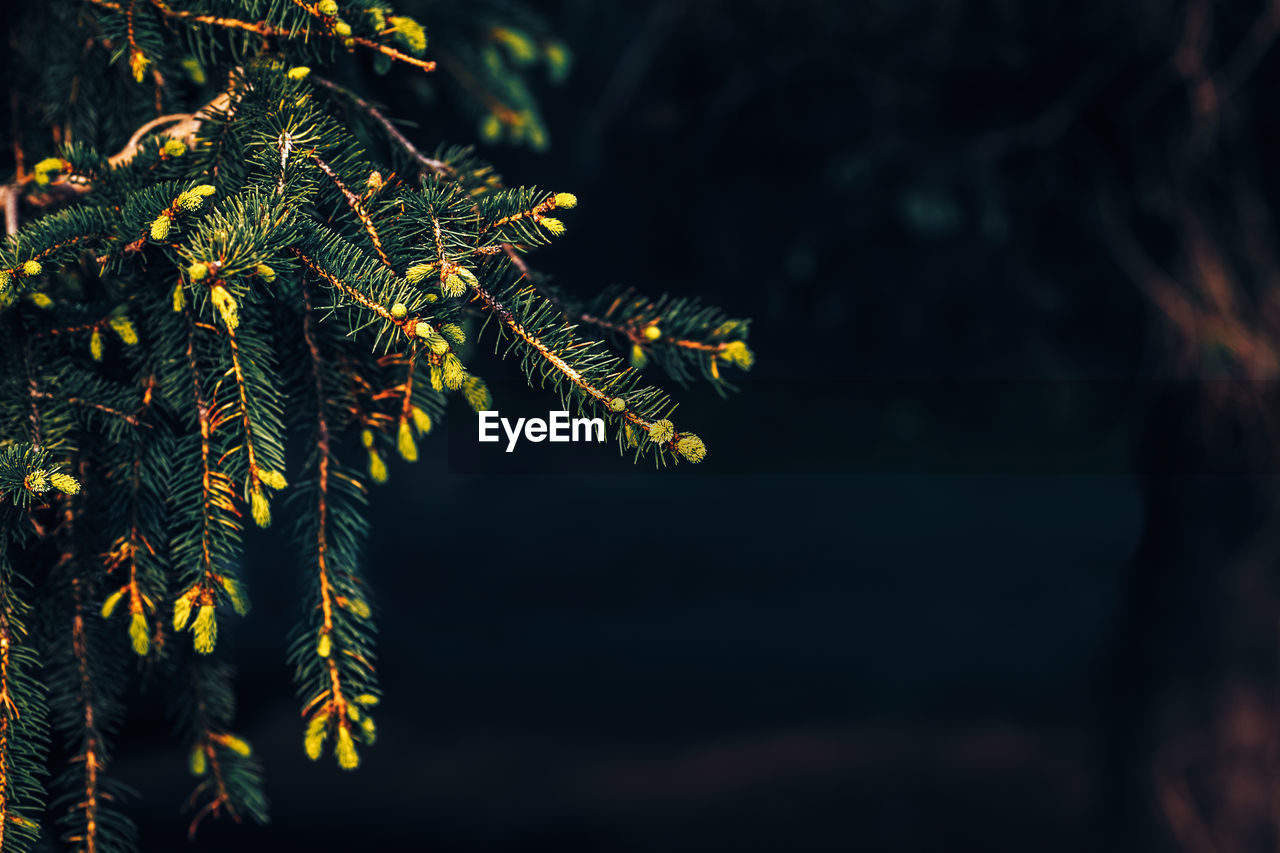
983,553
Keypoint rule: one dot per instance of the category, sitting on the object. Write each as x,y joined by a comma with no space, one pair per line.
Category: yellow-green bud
238,745
342,29
274,479
65,483
557,59
617,404
366,699
691,447
260,508
662,431
174,148
298,72
198,763
357,606
409,32
405,444
738,353
453,372
324,644
434,340
32,268
437,382
522,49
317,731
204,189
205,629
265,272
124,329
555,226
345,750
639,358
491,128
179,297
138,65
160,226
194,70
41,300
139,635
476,394
629,433
95,344
45,166
182,610
418,272
366,437
453,285
377,468
109,605
327,7
399,311
234,593
5,279
454,333
652,333
197,271
421,420
37,481
226,305
566,200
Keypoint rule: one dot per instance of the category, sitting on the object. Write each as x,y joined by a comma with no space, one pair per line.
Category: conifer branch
357,208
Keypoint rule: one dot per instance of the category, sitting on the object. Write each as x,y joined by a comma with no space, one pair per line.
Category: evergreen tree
212,294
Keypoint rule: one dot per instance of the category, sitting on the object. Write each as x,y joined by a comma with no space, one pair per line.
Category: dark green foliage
204,310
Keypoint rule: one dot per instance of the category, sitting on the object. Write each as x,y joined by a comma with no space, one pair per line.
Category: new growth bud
691,447
44,167
738,353
418,272
160,226
226,305
421,420
124,330
345,750
205,629
259,506
566,200
661,431
409,32
139,635
405,444
65,483
453,372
